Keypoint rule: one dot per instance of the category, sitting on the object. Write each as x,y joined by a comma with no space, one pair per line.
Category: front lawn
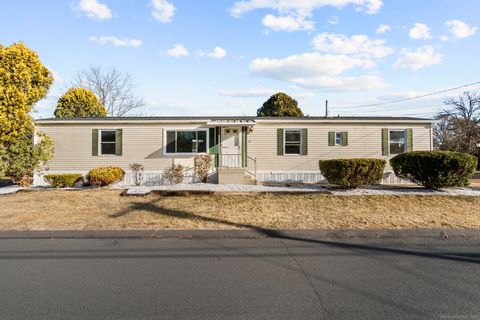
104,209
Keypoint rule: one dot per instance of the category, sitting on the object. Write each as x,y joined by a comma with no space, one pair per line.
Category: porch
228,143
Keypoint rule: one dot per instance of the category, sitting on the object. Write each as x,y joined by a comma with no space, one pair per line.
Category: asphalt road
240,279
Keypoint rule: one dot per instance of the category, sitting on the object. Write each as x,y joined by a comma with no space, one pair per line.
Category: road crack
309,281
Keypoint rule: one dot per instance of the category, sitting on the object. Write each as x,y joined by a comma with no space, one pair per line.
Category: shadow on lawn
272,233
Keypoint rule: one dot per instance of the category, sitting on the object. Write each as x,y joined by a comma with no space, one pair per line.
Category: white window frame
341,138
165,153
404,137
285,142
100,142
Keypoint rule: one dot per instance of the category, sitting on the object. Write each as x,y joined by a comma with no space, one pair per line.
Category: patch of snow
142,190
224,188
10,190
408,191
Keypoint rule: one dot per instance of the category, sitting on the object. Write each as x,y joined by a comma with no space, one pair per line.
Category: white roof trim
230,123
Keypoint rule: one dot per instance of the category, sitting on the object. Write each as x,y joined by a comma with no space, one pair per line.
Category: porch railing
251,167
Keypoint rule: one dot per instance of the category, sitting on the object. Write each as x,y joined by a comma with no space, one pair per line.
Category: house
265,149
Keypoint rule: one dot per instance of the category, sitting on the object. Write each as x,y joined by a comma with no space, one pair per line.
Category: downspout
431,137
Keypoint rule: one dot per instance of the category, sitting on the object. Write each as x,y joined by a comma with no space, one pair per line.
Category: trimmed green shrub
435,169
63,180
104,176
352,173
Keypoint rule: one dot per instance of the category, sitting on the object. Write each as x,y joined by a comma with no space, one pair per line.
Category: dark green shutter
409,140
244,146
212,140
331,139
213,148
280,142
385,150
118,142
218,143
345,138
213,136
304,148
94,142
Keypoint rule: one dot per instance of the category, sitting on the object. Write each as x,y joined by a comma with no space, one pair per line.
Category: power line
411,98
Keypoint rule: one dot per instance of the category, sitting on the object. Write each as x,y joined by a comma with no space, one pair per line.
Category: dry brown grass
103,209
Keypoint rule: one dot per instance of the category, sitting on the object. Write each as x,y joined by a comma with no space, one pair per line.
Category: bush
174,173
352,173
63,180
435,169
137,171
79,103
105,176
202,163
23,158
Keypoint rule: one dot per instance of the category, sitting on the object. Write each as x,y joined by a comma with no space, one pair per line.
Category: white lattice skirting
314,177
157,178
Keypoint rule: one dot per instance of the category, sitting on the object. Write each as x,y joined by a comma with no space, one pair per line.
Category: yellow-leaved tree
79,103
24,80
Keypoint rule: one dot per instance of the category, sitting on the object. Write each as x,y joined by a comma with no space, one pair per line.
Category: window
339,138
293,141
186,141
107,142
397,141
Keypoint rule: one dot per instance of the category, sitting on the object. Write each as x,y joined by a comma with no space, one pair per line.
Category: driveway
263,278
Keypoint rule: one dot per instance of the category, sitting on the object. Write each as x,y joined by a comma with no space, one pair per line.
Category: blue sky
219,57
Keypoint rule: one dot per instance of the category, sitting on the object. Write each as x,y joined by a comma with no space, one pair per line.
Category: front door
231,151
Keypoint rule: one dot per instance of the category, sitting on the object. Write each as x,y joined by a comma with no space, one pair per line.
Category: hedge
63,180
104,176
352,173
435,169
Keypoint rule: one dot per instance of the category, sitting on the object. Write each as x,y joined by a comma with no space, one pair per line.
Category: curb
242,234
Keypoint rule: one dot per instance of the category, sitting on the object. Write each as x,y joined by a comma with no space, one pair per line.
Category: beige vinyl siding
364,141
142,143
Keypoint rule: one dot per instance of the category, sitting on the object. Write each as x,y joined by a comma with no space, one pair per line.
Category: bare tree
458,128
114,88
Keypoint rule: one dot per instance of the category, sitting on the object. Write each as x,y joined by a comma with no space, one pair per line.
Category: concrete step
248,179
234,176
231,176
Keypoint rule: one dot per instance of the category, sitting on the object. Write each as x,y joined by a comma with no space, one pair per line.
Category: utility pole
326,108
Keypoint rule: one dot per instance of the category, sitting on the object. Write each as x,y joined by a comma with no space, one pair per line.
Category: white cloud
287,23
248,93
360,45
178,50
304,7
460,29
383,28
117,42
343,83
217,53
420,58
57,78
444,38
334,20
294,15
306,65
163,10
94,9
420,31
261,92
319,71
